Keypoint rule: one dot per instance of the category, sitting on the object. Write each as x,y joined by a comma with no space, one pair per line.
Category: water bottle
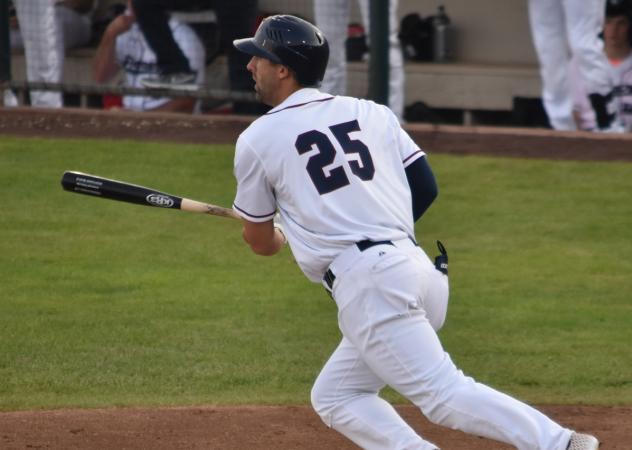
441,36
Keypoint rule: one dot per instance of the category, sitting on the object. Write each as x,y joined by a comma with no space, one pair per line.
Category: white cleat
580,441
613,128
181,80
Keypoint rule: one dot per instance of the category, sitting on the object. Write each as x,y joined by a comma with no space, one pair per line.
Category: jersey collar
299,98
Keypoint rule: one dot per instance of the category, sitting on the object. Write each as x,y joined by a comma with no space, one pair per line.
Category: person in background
617,38
332,17
556,25
123,47
44,32
235,19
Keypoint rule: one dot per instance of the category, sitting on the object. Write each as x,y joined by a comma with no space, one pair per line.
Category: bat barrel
82,183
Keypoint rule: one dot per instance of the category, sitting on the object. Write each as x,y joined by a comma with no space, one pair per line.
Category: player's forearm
263,238
269,248
104,65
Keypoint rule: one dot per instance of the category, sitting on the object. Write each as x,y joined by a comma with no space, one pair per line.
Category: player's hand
121,24
279,227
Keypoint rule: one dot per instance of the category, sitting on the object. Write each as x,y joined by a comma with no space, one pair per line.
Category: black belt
441,261
362,246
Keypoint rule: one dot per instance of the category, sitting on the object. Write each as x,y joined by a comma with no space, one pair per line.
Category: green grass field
104,303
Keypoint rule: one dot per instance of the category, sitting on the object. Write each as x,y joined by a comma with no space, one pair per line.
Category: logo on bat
160,200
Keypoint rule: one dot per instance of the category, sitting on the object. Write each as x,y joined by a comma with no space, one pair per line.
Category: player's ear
284,72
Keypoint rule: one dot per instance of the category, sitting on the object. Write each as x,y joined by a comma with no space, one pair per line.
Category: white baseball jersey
623,90
138,60
333,167
621,76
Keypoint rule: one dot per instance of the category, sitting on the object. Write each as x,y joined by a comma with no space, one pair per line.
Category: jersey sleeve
254,200
409,150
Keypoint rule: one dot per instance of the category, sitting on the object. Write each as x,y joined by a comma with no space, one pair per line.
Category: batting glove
278,226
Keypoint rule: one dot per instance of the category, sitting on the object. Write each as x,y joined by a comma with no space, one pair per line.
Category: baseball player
123,46
234,18
332,17
347,183
556,25
617,37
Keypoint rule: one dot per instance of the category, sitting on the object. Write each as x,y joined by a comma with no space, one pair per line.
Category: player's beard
263,93
258,94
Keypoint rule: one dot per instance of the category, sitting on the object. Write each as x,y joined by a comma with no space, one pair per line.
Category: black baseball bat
83,183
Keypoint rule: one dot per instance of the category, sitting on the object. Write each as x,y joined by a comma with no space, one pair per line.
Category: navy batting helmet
293,42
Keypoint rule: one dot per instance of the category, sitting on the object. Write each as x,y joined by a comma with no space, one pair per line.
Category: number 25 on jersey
361,166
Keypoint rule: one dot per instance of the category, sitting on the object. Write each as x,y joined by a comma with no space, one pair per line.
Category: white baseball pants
561,29
43,48
391,300
75,28
332,18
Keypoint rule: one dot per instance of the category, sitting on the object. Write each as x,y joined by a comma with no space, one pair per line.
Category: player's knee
321,402
439,409
440,385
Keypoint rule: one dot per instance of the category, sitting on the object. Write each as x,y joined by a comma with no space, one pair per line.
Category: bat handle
207,208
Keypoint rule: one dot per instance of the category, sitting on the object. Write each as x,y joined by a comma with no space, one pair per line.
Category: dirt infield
246,428
279,428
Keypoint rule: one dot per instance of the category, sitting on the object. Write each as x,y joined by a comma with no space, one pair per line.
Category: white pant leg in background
585,20
396,76
548,29
332,17
43,48
386,297
76,29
